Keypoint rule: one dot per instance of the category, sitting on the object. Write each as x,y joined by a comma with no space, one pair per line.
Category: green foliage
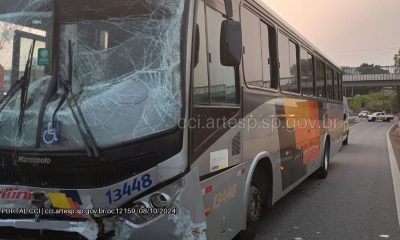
366,68
376,102
396,101
397,61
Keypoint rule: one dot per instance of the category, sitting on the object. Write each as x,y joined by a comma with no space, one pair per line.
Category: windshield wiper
86,134
25,87
23,84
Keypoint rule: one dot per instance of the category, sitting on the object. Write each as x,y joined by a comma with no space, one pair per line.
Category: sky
350,32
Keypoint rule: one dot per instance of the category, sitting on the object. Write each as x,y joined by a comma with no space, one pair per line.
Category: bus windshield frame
127,73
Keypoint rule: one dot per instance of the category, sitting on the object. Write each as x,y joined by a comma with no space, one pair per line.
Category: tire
254,205
254,213
322,172
346,142
373,119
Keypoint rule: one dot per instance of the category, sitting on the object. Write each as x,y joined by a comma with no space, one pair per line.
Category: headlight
140,213
150,207
160,200
142,210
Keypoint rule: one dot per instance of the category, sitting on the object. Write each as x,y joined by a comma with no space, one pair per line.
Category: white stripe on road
395,172
358,124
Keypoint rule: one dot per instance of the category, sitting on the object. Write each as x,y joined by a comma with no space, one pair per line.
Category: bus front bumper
185,221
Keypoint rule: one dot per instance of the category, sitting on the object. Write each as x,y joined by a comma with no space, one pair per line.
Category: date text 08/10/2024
87,212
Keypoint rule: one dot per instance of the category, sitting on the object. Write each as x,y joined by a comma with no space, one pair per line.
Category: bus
147,119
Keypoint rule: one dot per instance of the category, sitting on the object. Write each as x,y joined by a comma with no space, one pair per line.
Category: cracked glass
22,22
126,73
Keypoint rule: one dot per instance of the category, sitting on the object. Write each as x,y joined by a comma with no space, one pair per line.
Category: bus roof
280,21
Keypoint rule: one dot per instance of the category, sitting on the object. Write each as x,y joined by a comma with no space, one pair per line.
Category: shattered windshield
125,73
22,22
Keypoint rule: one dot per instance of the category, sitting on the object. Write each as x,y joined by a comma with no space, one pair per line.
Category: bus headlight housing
160,200
149,207
142,210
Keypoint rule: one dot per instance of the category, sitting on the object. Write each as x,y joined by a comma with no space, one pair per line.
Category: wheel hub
254,204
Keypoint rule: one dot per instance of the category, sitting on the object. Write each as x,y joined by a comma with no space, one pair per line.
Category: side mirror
231,43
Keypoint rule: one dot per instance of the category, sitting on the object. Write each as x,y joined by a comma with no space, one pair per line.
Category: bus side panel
223,200
291,130
334,125
223,176
263,113
303,118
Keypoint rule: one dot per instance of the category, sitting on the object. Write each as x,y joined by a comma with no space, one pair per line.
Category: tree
396,100
397,61
366,68
376,102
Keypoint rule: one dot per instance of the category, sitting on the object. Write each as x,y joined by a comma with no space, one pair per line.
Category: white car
380,116
363,114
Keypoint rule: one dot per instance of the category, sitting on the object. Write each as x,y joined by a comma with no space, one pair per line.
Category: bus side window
329,83
201,93
257,57
306,73
213,82
320,79
222,79
252,57
339,87
335,86
288,64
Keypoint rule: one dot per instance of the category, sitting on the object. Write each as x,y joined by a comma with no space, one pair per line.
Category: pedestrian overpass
389,77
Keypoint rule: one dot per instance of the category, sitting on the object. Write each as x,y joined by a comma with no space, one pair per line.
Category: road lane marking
395,172
358,124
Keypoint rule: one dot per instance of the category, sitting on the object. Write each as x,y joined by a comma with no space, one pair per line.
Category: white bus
148,119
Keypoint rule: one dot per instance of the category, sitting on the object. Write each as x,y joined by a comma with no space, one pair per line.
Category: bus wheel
322,172
254,205
254,212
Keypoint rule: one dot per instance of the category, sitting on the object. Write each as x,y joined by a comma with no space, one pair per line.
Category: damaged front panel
186,222
181,218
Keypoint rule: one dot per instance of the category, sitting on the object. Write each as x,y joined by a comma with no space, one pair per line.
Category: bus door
215,138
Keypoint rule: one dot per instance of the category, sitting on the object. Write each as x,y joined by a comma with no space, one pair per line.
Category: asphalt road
356,201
